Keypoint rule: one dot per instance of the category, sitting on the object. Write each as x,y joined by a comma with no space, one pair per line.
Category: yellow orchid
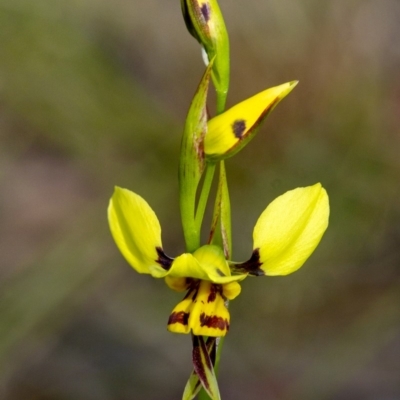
285,235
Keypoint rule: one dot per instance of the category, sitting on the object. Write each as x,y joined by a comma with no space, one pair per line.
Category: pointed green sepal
192,161
193,385
205,23
230,131
220,233
204,368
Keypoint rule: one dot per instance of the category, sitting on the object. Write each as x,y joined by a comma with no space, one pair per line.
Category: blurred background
94,94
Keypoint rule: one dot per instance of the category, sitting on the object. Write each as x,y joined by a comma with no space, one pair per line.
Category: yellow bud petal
227,130
290,228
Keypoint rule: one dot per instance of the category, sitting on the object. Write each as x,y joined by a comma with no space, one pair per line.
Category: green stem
205,191
221,101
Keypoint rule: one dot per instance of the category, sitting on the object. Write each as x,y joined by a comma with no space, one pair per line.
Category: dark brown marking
180,317
214,290
239,127
204,350
197,360
219,272
252,266
193,288
206,11
163,259
213,321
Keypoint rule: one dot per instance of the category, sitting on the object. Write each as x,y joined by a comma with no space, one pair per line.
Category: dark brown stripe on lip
214,290
193,288
213,321
180,317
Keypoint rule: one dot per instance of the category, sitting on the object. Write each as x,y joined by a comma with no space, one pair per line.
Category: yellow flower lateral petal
227,130
290,228
135,229
203,310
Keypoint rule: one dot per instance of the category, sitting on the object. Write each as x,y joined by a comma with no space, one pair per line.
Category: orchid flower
285,235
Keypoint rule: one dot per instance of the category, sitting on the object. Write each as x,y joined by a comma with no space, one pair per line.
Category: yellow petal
290,228
178,321
135,229
177,284
231,290
226,130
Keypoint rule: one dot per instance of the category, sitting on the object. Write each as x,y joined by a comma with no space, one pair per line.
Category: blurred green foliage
94,94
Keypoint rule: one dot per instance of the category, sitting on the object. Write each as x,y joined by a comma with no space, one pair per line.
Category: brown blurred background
94,94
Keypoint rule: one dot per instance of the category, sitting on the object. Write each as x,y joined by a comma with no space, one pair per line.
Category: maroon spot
213,321
180,317
206,11
239,127
252,266
163,259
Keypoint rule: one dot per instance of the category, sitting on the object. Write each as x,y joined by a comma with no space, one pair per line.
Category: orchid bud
230,131
205,23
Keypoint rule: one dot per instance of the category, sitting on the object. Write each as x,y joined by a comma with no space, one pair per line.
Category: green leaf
192,161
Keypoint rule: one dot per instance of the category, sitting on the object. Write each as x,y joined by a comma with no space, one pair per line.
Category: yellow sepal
230,130
290,228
